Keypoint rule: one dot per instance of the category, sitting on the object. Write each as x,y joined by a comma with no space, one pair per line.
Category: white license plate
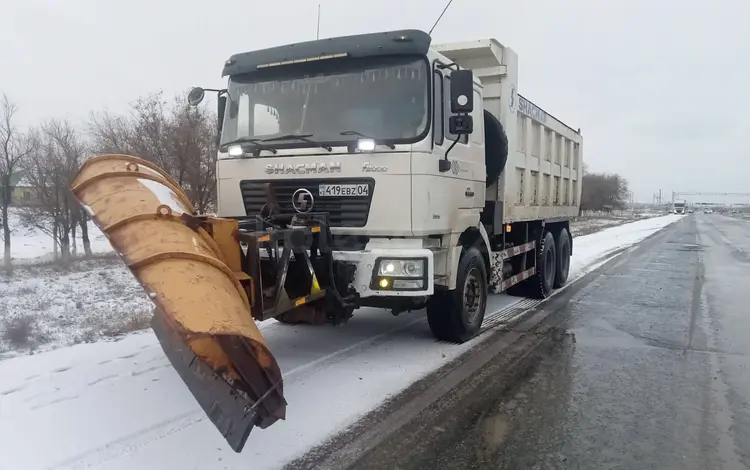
360,190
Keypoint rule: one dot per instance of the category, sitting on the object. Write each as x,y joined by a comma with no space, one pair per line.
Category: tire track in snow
93,382
131,442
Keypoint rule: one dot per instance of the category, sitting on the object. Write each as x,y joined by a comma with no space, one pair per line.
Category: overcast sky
660,88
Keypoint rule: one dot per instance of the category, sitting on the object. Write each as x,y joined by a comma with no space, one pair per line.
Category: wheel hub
472,297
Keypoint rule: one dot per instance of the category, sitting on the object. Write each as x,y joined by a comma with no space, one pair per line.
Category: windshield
332,101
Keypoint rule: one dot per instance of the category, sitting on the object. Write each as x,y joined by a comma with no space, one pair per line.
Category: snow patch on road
597,246
119,405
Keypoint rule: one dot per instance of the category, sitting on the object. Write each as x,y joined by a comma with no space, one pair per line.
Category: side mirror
462,104
462,91
196,96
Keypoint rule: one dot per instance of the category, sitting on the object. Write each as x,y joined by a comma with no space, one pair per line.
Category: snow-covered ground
590,223
92,299
119,405
89,300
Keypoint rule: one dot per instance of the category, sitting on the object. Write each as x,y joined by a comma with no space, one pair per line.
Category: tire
563,258
448,314
285,320
305,315
542,283
495,148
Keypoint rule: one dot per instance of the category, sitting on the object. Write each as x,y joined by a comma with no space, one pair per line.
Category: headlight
365,145
235,150
401,268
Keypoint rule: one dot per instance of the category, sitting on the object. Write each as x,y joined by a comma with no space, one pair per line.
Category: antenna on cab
440,17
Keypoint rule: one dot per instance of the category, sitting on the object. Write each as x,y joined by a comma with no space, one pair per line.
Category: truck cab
356,129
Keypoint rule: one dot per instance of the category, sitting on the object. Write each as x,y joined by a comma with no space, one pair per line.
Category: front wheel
457,315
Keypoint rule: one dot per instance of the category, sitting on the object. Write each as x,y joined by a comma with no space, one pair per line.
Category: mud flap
224,405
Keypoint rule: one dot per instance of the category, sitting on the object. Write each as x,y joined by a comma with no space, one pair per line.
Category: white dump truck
372,170
440,181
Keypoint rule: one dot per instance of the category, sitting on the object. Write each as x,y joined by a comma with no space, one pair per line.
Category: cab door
445,202
467,156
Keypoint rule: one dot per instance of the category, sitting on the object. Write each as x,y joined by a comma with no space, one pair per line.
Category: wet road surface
644,364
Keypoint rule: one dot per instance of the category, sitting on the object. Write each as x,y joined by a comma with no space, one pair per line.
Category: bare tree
177,138
192,132
51,170
111,133
603,191
14,148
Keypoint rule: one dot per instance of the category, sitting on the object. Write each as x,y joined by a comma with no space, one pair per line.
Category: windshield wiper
250,140
391,146
302,137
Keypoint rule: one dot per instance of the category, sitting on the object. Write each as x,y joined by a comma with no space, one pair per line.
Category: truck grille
343,211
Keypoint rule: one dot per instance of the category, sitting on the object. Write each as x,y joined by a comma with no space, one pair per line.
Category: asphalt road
643,364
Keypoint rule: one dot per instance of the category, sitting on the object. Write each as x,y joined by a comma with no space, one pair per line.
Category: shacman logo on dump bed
525,106
303,168
531,110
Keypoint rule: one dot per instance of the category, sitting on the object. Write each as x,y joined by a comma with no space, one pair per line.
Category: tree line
603,191
176,137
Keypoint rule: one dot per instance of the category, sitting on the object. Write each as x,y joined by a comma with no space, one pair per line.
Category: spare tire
495,147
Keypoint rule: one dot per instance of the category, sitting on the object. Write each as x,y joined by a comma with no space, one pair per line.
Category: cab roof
392,43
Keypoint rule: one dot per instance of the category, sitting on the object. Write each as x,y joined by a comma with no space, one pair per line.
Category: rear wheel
457,315
563,258
542,283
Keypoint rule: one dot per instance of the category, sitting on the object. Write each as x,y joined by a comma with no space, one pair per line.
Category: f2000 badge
370,167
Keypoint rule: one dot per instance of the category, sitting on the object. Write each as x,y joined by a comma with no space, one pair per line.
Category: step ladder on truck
370,170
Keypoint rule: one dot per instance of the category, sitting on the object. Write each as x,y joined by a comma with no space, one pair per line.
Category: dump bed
542,177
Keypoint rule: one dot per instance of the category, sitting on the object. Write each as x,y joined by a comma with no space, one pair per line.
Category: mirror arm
444,164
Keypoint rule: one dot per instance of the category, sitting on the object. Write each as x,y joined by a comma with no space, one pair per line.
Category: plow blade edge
202,317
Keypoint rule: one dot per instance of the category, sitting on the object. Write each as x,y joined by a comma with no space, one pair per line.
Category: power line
440,17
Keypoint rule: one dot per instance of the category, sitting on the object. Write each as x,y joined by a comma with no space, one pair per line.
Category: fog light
383,283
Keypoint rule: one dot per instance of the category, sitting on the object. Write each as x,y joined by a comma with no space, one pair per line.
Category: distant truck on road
679,206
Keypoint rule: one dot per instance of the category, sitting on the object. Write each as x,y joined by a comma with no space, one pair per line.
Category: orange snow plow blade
189,267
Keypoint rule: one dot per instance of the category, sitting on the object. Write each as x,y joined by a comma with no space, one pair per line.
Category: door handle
469,193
